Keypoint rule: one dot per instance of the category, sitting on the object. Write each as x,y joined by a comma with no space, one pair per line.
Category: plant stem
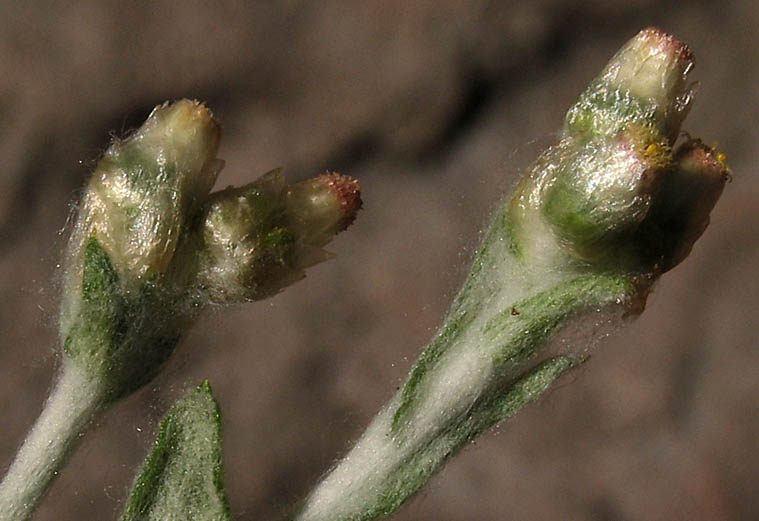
71,406
473,375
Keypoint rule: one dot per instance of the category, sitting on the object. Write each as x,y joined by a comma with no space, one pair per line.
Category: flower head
146,187
259,238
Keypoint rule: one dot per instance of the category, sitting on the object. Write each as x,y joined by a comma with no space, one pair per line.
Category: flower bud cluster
151,245
600,196
590,226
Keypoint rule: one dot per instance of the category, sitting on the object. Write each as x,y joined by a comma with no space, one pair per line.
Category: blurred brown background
430,104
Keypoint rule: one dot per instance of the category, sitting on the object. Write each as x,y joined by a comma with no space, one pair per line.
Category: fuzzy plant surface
150,248
181,479
618,200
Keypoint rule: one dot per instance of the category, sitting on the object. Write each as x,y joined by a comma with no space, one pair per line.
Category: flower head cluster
616,182
590,226
151,245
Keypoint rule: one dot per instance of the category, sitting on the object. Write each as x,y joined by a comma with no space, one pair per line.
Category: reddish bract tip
348,192
695,155
668,43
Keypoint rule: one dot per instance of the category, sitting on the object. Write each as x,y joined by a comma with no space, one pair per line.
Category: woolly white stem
71,406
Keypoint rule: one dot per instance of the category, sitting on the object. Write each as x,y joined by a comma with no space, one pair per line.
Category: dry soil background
430,104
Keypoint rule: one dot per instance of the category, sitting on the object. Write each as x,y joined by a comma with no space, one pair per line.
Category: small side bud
686,198
259,238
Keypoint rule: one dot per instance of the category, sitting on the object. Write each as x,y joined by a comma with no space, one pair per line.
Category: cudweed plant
617,201
149,250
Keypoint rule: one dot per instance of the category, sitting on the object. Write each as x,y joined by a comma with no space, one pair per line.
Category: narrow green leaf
529,324
181,478
520,331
